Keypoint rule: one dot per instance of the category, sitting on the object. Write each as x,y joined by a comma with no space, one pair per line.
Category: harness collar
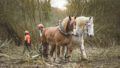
62,31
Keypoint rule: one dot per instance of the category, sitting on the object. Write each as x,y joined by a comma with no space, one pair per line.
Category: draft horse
84,25
58,36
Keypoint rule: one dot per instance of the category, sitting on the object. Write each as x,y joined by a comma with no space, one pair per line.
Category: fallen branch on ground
4,55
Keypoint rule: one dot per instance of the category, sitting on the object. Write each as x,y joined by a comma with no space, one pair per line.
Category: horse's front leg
82,48
69,51
52,51
57,52
63,51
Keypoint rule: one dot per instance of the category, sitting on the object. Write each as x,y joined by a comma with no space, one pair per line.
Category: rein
62,31
87,25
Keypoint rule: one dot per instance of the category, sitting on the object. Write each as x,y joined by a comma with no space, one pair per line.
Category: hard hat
26,32
40,26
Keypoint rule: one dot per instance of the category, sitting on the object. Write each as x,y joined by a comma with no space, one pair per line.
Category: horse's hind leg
40,50
45,50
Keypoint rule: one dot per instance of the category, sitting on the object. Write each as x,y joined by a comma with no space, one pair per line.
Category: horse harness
62,31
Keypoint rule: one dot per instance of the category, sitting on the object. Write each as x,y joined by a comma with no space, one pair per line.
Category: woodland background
16,16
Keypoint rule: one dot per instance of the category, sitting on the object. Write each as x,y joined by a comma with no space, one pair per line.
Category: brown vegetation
19,15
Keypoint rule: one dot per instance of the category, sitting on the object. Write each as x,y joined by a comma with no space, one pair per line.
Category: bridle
86,28
86,25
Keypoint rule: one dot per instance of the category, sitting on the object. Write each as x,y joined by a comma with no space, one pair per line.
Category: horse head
68,24
84,24
90,27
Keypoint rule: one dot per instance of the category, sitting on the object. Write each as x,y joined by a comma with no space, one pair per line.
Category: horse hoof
52,60
67,60
83,59
57,60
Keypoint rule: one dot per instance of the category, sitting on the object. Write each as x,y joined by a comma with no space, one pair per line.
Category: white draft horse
84,25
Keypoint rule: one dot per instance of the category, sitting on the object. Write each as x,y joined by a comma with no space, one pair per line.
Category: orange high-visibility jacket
27,38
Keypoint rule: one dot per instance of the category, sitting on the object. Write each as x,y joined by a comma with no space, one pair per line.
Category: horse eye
88,23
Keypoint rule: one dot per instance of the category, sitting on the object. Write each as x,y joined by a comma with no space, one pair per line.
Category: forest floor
11,57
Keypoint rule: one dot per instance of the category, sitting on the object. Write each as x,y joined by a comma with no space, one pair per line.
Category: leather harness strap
62,31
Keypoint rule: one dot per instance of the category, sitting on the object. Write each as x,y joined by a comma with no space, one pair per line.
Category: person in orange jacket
27,42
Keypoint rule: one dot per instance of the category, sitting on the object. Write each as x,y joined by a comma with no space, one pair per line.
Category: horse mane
65,24
81,21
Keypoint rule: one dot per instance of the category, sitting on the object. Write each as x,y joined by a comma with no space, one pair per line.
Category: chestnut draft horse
84,27
58,36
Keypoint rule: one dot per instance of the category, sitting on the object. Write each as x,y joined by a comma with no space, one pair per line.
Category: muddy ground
12,57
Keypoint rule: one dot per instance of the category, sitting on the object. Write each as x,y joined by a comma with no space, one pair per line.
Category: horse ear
69,17
90,17
74,17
